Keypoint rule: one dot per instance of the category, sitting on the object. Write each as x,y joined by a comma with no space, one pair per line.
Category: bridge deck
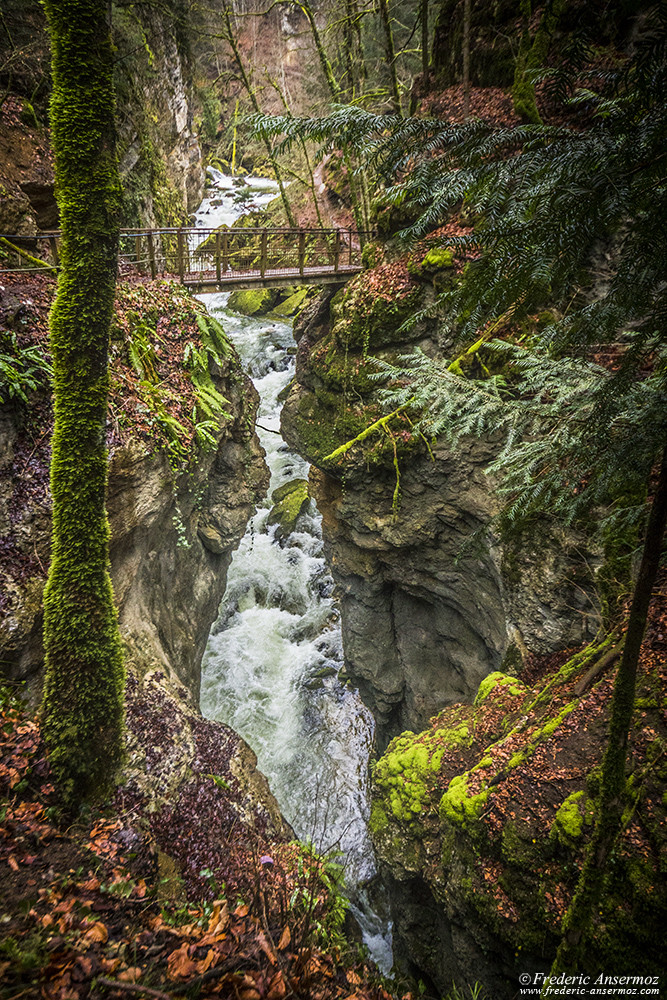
274,278
223,258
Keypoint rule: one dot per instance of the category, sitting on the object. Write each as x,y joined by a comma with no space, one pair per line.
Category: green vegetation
22,369
289,500
82,709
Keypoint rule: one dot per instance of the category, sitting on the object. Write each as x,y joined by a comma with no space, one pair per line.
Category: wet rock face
423,619
160,159
168,580
171,544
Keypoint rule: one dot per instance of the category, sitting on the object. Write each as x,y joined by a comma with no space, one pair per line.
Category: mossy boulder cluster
489,811
282,302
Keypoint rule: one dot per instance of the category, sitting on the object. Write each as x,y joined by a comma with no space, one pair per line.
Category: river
271,668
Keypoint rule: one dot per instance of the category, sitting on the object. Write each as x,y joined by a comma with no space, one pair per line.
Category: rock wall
423,620
481,823
160,160
172,534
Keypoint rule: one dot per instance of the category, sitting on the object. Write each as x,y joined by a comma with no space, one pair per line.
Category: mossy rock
574,814
405,775
290,500
369,316
252,301
340,368
498,680
437,259
291,305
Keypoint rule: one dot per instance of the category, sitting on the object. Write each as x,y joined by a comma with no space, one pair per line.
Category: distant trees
82,708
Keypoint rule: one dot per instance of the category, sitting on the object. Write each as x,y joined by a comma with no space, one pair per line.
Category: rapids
271,668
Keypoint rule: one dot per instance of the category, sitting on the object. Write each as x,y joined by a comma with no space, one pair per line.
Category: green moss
378,821
437,259
531,58
458,806
82,709
498,680
576,812
405,776
292,304
340,368
369,315
252,301
290,500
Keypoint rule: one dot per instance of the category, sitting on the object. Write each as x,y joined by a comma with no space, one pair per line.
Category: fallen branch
593,672
115,984
26,256
380,424
229,965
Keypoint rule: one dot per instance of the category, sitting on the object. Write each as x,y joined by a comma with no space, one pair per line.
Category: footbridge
225,258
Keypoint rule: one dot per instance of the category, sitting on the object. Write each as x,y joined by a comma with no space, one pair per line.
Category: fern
22,369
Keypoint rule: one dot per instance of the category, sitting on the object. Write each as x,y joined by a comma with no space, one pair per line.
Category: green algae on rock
289,500
252,301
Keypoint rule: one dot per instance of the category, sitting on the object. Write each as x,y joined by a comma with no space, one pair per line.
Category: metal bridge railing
205,255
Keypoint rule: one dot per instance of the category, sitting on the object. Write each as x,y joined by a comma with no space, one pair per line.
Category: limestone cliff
423,619
174,525
160,159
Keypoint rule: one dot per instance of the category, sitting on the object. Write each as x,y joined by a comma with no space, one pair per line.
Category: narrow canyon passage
273,658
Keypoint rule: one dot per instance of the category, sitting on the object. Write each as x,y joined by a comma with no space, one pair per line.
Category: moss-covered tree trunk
82,710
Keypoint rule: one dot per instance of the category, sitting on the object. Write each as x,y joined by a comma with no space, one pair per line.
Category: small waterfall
274,655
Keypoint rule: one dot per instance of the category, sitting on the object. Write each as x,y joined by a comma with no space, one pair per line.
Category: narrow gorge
381,547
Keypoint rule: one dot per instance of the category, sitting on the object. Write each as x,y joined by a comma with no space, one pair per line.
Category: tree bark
82,709
426,57
610,806
231,38
466,59
391,55
335,91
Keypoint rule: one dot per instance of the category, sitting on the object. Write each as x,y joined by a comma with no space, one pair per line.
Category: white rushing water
271,666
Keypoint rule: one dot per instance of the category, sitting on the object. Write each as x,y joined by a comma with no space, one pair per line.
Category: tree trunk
426,60
610,806
466,59
354,54
231,38
82,709
335,91
391,55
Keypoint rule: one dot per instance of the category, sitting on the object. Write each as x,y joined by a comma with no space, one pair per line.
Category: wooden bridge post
302,251
53,243
180,255
137,250
151,255
225,251
262,260
337,250
217,256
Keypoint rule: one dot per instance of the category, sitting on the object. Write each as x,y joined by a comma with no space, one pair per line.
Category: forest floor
90,909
